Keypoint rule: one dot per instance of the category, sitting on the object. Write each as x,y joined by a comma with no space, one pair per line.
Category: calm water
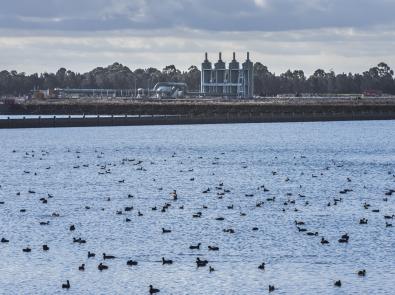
85,166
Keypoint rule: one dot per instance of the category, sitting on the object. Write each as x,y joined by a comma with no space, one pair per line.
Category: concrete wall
195,119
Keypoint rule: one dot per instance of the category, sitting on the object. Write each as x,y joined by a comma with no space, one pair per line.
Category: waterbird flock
292,203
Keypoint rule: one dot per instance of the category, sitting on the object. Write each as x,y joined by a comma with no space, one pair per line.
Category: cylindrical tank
206,75
219,73
248,69
234,68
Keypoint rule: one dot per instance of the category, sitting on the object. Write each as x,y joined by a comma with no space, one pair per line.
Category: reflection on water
92,173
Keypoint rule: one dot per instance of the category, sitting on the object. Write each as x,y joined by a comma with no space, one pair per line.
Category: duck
271,288
67,285
79,240
174,195
90,254
363,221
108,256
192,247
312,233
338,283
211,269
344,238
101,266
229,230
153,290
131,262
323,241
262,266
27,249
139,213
362,272
201,263
81,267
45,248
166,261
213,248
165,231
4,240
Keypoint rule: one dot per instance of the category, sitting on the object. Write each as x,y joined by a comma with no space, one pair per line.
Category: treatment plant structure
227,82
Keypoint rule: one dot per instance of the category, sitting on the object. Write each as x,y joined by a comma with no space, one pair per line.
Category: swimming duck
153,290
344,238
79,240
108,256
90,254
363,221
201,263
131,262
166,261
323,241
213,248
192,247
67,285
174,195
312,233
101,266
362,273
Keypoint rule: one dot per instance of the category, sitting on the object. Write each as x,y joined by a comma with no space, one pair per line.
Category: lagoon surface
262,176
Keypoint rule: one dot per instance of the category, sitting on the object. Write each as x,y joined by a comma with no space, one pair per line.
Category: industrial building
228,82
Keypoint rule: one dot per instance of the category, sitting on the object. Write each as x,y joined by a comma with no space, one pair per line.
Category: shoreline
101,121
118,112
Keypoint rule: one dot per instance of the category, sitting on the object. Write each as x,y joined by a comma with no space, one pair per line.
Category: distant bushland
379,79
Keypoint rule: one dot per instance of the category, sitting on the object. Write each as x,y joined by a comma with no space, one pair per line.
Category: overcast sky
343,35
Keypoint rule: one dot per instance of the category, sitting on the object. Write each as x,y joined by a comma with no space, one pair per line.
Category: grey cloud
209,15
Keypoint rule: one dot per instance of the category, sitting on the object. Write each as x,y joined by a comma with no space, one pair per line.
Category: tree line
117,76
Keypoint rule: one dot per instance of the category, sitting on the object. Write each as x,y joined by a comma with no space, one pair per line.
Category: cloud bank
347,35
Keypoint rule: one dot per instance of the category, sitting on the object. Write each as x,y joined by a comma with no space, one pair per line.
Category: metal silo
219,73
234,68
248,78
206,76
